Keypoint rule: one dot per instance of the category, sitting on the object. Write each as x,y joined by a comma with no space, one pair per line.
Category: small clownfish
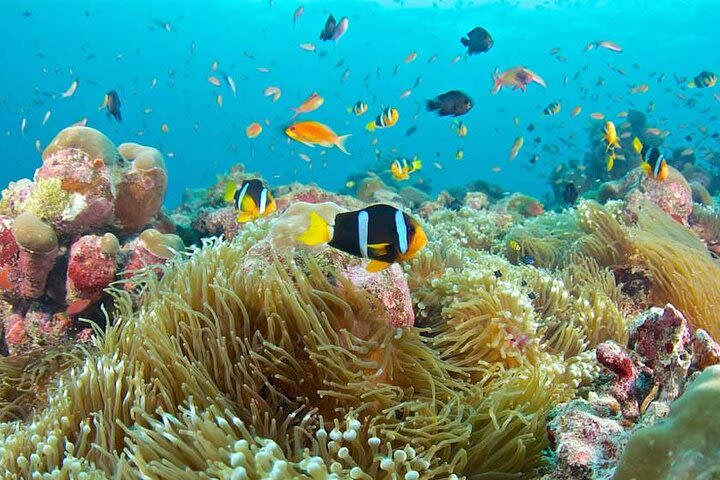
358,108
704,79
252,199
381,233
552,109
401,170
387,118
653,162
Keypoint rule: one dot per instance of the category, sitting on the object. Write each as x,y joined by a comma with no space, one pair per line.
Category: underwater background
196,283
124,46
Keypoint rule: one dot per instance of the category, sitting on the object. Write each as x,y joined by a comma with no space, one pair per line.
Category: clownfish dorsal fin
377,266
318,232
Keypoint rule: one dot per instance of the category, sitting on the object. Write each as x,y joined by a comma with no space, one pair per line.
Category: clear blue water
118,45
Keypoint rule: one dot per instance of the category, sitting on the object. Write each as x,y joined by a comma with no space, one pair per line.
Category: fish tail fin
432,105
350,109
497,82
370,127
647,168
297,112
340,143
691,84
416,164
317,233
637,145
230,190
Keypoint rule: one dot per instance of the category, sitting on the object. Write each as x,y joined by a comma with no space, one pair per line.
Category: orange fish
214,81
165,128
597,116
576,111
411,57
274,91
313,102
253,130
515,77
640,89
315,133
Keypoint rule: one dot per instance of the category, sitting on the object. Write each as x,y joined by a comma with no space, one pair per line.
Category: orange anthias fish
312,103
640,89
516,77
315,133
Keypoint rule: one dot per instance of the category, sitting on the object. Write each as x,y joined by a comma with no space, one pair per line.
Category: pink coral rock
92,266
662,338
390,287
624,384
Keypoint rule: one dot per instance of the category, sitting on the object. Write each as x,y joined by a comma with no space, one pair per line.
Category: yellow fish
610,136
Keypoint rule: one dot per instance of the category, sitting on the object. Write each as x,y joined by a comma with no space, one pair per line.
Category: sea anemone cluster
257,358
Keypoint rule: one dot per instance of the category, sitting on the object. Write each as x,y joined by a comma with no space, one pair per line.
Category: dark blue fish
528,260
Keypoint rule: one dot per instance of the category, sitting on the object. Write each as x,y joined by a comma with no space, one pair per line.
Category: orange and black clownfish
653,162
379,232
252,199
387,118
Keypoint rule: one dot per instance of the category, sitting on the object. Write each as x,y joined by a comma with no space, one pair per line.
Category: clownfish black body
381,233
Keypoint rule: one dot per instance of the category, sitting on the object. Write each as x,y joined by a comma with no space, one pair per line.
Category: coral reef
61,233
519,343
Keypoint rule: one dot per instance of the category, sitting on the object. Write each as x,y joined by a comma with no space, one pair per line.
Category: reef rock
637,388
673,195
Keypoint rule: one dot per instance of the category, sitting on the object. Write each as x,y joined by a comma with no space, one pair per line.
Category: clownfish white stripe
238,202
263,200
363,233
401,228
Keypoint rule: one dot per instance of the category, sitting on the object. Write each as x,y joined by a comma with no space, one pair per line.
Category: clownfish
653,162
704,79
381,233
387,118
401,170
252,199
552,109
359,108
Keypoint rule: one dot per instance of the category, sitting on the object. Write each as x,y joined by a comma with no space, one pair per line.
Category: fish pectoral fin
376,266
244,217
307,143
378,249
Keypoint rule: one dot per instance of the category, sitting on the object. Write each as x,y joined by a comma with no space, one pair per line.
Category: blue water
119,45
